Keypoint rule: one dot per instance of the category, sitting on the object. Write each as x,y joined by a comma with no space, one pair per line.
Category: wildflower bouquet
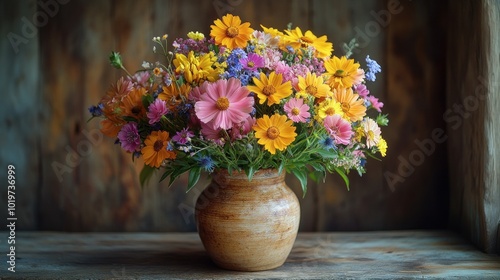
246,99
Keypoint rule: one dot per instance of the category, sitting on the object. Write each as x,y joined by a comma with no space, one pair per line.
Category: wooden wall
72,179
473,93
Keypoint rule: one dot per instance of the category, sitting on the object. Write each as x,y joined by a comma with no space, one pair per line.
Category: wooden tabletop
352,255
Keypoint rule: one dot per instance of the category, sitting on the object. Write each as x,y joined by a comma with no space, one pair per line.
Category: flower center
222,103
273,132
250,64
295,111
312,90
268,90
370,135
136,110
158,145
232,31
330,111
340,73
345,107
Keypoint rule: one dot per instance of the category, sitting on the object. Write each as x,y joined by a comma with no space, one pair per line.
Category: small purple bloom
362,91
129,137
252,62
182,137
96,111
373,68
156,110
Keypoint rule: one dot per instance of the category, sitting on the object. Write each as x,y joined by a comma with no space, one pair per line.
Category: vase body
248,225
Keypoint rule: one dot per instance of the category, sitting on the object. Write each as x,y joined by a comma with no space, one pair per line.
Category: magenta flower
361,90
225,103
218,135
129,137
241,129
182,137
252,62
338,128
296,110
156,110
375,103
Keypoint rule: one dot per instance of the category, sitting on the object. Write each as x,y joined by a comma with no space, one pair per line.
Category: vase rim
239,174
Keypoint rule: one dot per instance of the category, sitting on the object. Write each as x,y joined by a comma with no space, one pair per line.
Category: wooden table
353,255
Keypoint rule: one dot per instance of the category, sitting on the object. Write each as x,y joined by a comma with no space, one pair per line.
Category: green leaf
147,100
146,173
343,175
250,172
301,174
327,153
194,176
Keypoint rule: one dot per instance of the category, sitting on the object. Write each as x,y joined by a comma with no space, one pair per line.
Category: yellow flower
382,146
174,95
196,69
275,133
328,107
297,40
197,36
155,149
271,89
353,108
343,72
271,31
230,32
313,86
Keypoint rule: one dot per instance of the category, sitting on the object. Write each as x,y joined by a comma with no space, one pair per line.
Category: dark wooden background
55,72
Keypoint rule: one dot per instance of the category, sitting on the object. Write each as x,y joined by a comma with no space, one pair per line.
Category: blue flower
328,143
96,111
373,68
207,163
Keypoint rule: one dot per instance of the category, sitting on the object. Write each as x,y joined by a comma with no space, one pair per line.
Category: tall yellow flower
196,69
314,86
382,146
155,149
343,72
271,89
275,132
230,32
297,40
328,107
352,106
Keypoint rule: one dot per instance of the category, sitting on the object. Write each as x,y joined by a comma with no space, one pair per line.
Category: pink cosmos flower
338,128
129,137
156,110
182,137
375,103
252,62
217,135
296,110
197,92
362,91
225,103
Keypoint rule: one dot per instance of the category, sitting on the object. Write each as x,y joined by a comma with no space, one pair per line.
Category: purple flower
362,91
156,110
129,137
375,103
182,137
252,62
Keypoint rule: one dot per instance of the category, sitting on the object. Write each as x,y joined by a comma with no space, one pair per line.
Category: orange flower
132,104
230,32
155,149
174,95
353,108
297,40
343,72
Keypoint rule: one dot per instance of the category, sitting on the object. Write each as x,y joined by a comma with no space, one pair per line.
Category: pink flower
197,92
225,103
362,91
182,137
129,137
375,103
243,128
217,135
156,110
141,78
252,62
338,128
296,110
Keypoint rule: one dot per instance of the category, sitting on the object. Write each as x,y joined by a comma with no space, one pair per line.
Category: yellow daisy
271,89
328,107
343,72
230,32
297,40
314,86
275,132
352,106
196,69
382,146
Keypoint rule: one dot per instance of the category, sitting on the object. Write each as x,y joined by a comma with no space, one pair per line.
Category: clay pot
248,225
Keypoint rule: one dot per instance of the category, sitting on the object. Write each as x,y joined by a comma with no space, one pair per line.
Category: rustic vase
248,225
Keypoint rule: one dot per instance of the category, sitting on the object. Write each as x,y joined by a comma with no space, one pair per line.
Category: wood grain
352,255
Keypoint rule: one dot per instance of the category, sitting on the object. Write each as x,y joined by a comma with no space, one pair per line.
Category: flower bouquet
246,100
